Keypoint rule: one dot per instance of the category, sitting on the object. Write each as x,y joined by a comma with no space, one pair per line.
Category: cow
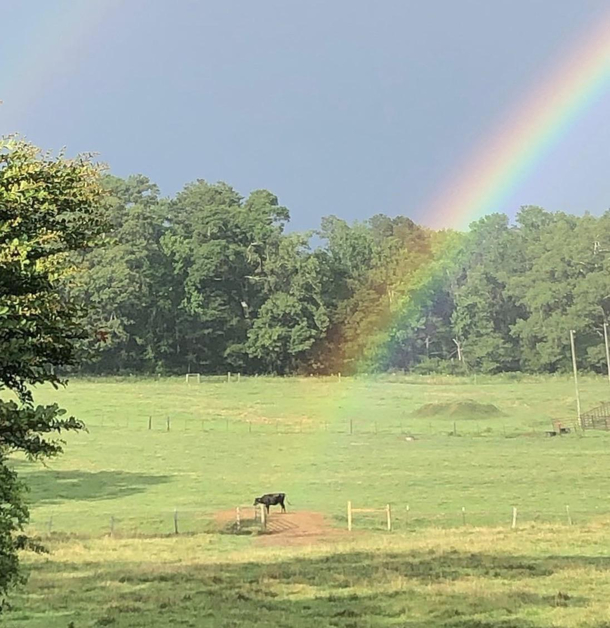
271,499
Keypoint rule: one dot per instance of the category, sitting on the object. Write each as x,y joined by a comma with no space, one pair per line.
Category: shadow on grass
349,590
50,486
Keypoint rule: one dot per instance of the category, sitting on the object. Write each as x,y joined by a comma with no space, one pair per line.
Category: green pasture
228,443
323,442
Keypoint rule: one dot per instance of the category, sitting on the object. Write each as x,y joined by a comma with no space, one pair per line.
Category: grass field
322,441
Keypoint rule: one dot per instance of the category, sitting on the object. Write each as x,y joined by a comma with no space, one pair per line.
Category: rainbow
53,41
527,132
494,169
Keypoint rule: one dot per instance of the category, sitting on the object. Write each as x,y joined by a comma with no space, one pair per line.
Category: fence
411,429
398,518
461,517
230,378
598,418
122,524
410,519
350,512
259,516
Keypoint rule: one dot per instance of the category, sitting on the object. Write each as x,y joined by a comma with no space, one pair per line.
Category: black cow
271,499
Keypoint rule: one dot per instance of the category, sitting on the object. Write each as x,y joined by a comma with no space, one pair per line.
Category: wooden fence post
407,517
168,421
150,422
263,518
569,516
229,377
112,526
349,516
199,378
175,521
187,378
463,515
238,378
514,524
238,518
388,510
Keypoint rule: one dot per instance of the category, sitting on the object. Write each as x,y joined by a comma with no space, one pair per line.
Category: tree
129,284
220,245
294,316
49,208
564,284
374,268
484,310
420,337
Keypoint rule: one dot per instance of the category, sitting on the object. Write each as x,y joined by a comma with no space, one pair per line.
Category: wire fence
405,518
408,428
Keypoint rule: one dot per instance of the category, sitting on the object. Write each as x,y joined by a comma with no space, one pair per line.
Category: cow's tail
288,502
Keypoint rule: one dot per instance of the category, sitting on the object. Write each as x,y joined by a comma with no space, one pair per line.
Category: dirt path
291,528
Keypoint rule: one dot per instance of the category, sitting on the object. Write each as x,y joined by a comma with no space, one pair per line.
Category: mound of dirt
290,528
467,409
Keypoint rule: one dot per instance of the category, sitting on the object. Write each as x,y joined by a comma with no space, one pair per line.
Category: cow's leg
267,507
282,505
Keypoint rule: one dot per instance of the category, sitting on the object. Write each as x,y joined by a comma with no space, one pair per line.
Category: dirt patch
300,527
467,409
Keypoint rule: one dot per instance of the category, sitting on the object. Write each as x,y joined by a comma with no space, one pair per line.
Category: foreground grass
468,578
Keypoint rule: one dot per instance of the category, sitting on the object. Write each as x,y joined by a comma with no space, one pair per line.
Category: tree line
209,281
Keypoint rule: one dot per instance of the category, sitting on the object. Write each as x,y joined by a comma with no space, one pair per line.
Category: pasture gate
597,419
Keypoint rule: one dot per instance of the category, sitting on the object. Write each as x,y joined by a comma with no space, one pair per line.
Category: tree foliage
210,281
49,208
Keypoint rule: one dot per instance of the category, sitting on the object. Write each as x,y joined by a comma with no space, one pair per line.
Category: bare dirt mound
301,527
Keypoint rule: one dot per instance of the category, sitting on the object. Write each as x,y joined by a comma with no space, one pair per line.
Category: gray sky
349,107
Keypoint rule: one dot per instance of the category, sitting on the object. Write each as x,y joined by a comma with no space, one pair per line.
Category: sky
344,107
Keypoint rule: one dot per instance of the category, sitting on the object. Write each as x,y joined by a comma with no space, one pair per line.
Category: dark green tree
294,316
484,310
220,246
129,283
48,210
564,284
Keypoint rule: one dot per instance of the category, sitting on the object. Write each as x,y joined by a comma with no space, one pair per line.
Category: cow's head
257,501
